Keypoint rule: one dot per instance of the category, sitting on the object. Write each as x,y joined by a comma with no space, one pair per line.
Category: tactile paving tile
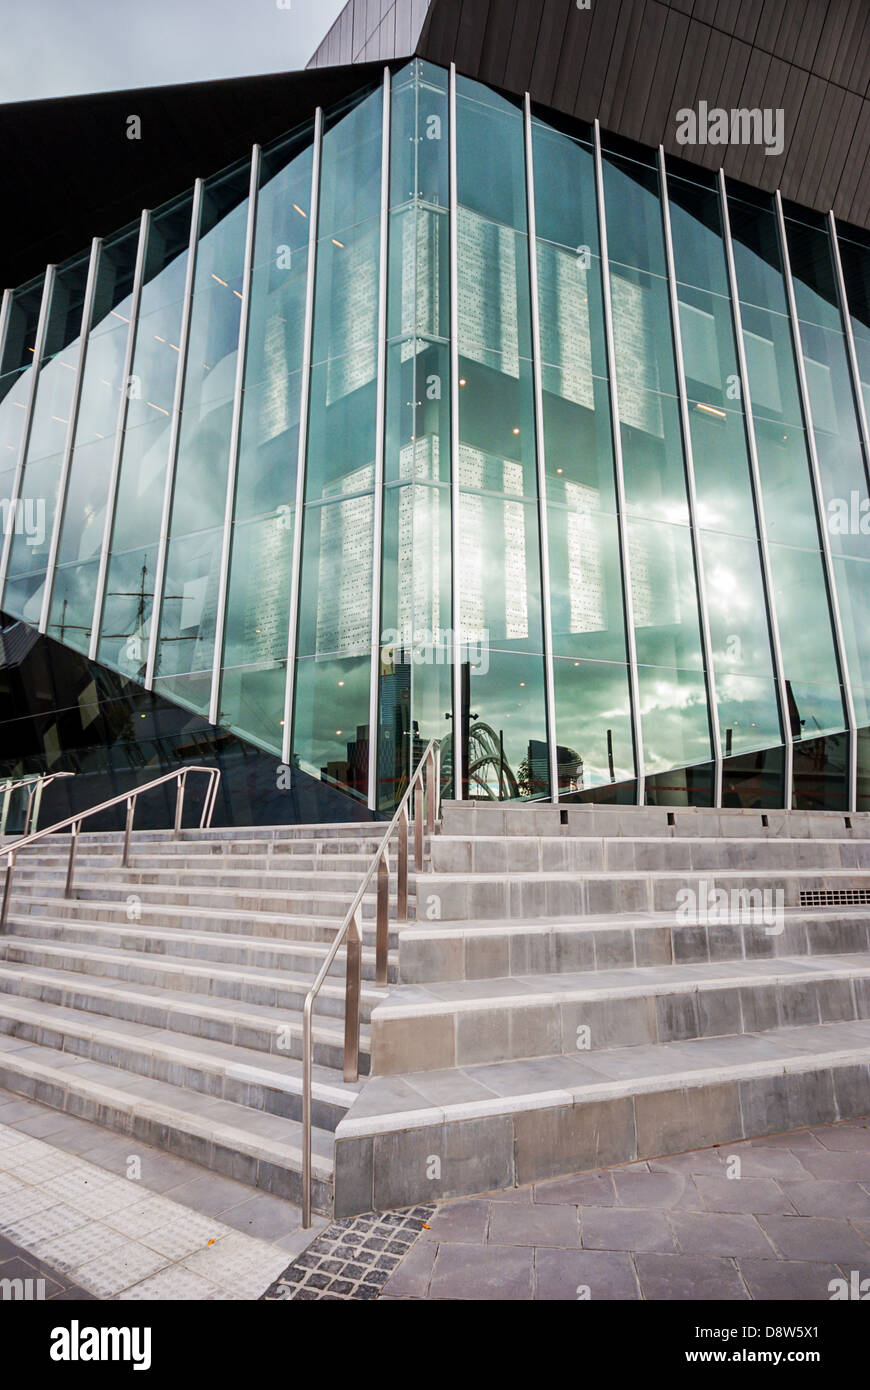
352,1259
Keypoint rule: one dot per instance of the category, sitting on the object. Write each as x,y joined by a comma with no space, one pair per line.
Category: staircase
553,1006
586,986
164,1001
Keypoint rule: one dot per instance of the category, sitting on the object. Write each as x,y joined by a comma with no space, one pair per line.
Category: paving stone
793,1281
717,1233
488,1272
743,1194
689,1278
618,1229
816,1238
644,1189
460,1221
845,1138
580,1274
512,1224
587,1189
818,1198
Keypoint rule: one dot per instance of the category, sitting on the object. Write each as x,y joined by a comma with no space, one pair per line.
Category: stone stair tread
435,997
254,944
600,921
217,914
182,965
417,1099
283,1073
571,875
204,1006
269,1137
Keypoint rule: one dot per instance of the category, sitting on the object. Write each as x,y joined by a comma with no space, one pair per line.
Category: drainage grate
352,1259
835,897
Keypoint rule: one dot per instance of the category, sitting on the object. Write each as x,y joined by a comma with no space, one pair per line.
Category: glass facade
443,417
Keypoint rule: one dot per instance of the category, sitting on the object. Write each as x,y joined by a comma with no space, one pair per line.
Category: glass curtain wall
46,443
88,482
332,687
416,640
812,673
431,451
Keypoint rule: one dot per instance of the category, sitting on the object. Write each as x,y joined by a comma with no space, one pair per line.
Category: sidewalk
795,1219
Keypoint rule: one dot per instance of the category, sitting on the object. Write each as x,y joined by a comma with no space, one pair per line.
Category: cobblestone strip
352,1259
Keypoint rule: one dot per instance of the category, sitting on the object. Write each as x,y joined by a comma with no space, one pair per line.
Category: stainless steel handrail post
179,803
128,830
7,891
73,849
419,826
352,989
382,933
402,868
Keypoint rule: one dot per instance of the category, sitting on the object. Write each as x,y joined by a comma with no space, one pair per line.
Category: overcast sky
52,48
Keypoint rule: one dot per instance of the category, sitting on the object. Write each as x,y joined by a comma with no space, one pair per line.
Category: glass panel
572,316
52,408
499,572
674,717
634,217
127,611
652,456
418,298
189,610
687,786
754,780
255,638
103,385
821,774
497,426
16,373
757,256
565,204
418,412
416,664
504,727
805,625
641,334
585,585
330,721
72,604
145,449
593,725
578,441
350,180
490,155
494,314
665,599
696,232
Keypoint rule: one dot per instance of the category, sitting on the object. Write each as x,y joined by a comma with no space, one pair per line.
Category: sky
52,48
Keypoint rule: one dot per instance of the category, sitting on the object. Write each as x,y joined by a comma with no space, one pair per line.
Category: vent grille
836,897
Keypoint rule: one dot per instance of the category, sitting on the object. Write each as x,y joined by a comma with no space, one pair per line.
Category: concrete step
238,922
269,1084
301,958
471,1022
469,950
246,984
248,1145
501,854
251,1026
275,866
493,818
506,1123
308,899
456,896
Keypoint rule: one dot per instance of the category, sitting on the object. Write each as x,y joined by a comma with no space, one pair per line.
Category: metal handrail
75,822
351,928
36,782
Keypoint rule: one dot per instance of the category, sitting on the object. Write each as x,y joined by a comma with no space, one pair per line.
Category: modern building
517,396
